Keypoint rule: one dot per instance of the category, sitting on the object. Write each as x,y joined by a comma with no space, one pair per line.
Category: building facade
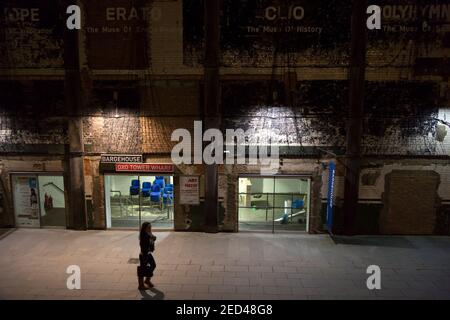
284,73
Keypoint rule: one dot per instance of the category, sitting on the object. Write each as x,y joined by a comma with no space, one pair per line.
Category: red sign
144,167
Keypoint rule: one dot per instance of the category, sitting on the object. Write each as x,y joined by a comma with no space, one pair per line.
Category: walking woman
147,262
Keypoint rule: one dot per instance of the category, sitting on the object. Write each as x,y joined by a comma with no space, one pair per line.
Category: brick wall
401,118
401,115
380,168
375,196
391,55
410,203
94,191
404,105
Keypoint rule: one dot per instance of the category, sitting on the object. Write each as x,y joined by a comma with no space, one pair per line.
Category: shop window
39,200
273,203
133,199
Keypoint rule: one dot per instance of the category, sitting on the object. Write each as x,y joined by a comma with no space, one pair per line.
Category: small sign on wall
189,190
121,158
330,196
144,167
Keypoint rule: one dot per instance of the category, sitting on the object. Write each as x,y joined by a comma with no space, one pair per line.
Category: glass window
133,199
39,200
52,201
273,203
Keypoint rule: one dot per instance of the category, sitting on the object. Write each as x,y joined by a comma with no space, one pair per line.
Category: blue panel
332,171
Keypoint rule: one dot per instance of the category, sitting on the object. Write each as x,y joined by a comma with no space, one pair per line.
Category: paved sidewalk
222,266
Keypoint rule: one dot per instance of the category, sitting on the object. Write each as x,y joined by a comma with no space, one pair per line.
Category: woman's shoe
141,283
148,283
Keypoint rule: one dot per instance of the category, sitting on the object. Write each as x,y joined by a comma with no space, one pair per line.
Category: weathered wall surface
403,114
401,118
419,189
406,121
170,38
94,193
156,82
410,202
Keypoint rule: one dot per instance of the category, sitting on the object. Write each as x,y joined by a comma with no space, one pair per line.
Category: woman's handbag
144,271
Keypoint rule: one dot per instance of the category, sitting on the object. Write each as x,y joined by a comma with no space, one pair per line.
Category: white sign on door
189,190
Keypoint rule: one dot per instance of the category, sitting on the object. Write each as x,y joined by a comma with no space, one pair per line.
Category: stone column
74,101
355,114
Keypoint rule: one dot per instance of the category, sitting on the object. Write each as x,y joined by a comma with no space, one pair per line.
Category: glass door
291,203
52,201
256,203
273,203
157,201
122,193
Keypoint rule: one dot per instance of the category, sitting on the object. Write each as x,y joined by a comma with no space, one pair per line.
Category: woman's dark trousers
147,265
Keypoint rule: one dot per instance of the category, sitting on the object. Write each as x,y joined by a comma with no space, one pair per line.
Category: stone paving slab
242,266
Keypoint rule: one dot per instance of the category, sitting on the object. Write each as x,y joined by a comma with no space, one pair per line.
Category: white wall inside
243,184
120,183
291,185
282,185
52,186
267,185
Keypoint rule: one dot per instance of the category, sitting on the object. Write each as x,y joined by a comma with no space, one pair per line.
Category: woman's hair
144,229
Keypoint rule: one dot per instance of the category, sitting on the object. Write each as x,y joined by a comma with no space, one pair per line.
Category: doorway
280,203
39,200
133,199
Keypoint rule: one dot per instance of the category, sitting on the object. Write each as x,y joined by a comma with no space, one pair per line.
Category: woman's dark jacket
144,242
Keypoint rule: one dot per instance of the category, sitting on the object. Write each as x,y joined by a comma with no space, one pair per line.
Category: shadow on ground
395,242
152,294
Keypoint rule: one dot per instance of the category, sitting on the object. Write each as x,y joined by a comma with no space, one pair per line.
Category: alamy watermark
374,14
374,280
74,280
236,147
